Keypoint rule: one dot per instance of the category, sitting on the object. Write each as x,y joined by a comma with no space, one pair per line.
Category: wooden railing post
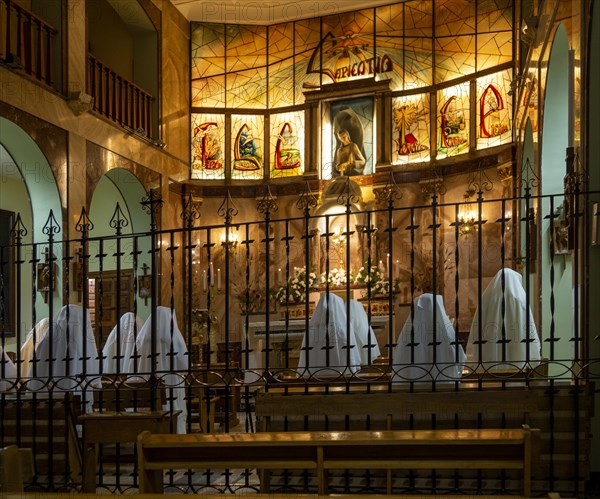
32,43
49,79
119,99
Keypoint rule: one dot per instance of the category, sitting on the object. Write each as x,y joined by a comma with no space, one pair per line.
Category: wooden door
104,309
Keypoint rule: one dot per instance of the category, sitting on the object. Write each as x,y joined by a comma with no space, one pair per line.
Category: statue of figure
348,158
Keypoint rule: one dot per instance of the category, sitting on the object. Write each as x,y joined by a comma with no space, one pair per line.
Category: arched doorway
556,274
28,189
120,235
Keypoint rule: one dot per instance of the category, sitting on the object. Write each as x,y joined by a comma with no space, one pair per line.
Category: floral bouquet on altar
335,278
297,287
376,282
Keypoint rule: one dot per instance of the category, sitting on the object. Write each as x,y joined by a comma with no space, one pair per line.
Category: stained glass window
281,65
208,65
287,144
494,28
247,141
208,146
246,50
250,67
411,129
453,120
390,41
348,46
454,57
307,68
494,110
454,39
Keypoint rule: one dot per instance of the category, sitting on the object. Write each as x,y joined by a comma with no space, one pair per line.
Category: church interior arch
116,201
28,188
554,143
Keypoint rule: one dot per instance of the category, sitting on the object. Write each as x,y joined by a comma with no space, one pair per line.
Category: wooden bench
322,451
47,426
123,427
562,410
16,467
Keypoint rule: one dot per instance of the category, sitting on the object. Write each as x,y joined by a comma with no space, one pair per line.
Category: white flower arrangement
335,278
295,290
375,280
364,276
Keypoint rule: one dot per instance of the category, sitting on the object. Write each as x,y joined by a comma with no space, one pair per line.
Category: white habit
171,358
31,341
69,356
421,355
514,321
328,336
124,336
8,373
365,337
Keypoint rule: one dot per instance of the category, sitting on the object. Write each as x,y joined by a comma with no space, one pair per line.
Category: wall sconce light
467,217
231,243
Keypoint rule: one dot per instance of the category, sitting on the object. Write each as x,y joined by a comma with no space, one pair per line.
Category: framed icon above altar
348,130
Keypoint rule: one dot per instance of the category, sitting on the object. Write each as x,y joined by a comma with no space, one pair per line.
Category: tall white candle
219,279
204,280
212,274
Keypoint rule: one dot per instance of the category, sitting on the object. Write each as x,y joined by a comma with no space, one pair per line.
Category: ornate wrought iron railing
239,294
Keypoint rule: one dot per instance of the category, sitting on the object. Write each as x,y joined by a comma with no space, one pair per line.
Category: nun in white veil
421,355
32,339
493,352
69,356
8,373
171,358
366,342
327,340
124,336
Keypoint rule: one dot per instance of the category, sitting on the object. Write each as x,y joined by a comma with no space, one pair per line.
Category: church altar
292,332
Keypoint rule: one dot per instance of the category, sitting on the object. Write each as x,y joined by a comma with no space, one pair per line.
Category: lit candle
212,274
388,263
278,276
204,281
381,267
397,269
219,279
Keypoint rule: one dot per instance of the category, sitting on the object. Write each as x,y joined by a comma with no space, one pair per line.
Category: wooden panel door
106,313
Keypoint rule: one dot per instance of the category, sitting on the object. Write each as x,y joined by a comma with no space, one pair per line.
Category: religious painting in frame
144,286
411,129
348,130
208,146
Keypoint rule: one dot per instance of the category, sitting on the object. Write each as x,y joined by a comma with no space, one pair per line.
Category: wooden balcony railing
118,99
26,41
